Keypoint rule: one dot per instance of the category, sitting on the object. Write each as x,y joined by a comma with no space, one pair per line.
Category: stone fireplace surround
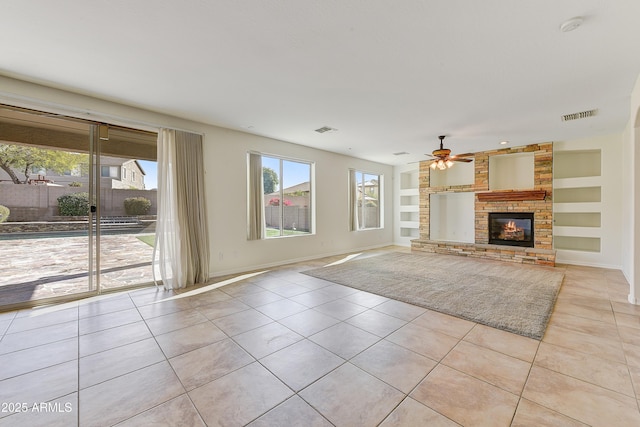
538,200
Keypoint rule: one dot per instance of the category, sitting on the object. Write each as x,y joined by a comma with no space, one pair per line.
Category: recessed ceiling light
571,24
504,142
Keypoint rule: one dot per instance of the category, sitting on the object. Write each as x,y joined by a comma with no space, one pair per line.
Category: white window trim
380,176
312,187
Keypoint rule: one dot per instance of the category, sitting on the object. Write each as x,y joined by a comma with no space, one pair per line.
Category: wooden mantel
500,196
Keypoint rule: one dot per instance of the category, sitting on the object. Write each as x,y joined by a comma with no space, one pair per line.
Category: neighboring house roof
304,187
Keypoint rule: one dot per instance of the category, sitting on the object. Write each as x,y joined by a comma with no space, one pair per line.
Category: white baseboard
591,264
293,260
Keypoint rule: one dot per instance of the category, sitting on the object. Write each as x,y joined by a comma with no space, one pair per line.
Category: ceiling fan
442,158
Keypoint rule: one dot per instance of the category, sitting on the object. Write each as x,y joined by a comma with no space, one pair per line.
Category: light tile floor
281,348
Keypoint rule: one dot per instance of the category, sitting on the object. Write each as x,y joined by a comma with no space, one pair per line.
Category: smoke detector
571,24
580,115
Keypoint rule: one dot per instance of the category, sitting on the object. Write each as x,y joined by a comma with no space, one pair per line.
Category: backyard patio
57,265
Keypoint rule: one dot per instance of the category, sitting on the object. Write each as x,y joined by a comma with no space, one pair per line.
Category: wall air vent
324,129
580,115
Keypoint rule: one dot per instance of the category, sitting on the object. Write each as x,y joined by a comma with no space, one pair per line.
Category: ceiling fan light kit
443,160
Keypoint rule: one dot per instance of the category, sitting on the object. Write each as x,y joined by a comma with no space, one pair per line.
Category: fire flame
510,226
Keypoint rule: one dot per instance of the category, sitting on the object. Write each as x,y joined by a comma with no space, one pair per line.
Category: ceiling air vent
324,129
400,153
580,115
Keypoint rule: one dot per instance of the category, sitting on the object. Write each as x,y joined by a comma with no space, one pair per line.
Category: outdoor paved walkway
41,268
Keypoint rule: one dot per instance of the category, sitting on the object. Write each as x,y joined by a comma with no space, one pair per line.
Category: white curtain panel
192,211
181,228
353,200
255,214
167,225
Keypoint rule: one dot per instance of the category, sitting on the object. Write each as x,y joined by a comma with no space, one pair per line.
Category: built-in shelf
579,182
452,217
512,171
577,163
577,231
578,195
409,192
408,223
458,174
577,200
409,232
577,207
409,200
409,180
412,215
577,219
499,196
577,243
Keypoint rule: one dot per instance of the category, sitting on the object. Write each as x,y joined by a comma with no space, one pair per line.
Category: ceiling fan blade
460,160
464,155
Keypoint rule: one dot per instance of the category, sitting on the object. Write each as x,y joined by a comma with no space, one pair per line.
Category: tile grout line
524,385
78,372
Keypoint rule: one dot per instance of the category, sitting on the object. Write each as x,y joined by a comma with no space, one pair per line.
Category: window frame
111,169
281,195
380,198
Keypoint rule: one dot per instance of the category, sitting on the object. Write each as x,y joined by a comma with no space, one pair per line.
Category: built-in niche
577,219
577,243
511,171
452,217
408,221
577,164
578,195
578,198
459,174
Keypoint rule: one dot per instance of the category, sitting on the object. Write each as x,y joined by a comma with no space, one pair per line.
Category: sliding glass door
46,189
77,207
127,207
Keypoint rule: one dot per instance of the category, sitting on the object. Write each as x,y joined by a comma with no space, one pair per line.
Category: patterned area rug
513,297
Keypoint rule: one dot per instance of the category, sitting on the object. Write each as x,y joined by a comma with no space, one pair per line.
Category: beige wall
225,154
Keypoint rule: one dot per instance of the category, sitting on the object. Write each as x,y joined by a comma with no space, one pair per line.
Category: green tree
24,157
270,178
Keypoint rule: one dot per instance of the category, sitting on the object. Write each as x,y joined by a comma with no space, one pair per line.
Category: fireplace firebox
511,228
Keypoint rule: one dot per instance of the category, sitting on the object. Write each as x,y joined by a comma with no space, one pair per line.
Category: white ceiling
389,75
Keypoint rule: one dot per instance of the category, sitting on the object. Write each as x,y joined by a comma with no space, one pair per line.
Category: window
133,176
124,173
286,197
109,171
366,200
